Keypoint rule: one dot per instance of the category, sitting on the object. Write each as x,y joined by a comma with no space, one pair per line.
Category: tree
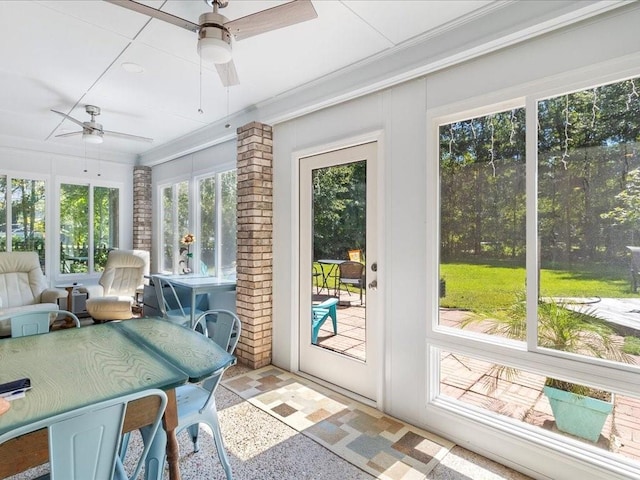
627,210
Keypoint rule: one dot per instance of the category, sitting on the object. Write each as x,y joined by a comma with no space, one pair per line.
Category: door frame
380,329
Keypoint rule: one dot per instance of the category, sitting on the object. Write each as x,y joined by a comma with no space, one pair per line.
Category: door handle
373,285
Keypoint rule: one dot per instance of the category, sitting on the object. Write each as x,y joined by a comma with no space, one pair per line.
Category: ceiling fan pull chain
200,111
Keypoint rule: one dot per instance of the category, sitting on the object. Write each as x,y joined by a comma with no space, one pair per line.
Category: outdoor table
332,270
80,366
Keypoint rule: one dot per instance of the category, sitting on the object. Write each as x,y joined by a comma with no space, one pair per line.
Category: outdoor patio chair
317,277
635,267
320,313
355,255
351,273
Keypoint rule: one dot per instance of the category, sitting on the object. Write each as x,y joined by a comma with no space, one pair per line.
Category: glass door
338,268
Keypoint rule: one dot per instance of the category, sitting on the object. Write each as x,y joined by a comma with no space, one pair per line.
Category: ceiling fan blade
70,134
128,136
155,13
271,19
77,122
228,74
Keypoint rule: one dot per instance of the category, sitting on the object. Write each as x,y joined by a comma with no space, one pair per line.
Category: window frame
526,356
10,176
194,220
91,184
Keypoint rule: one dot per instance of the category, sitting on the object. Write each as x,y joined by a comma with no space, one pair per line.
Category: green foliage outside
489,288
339,210
588,174
631,346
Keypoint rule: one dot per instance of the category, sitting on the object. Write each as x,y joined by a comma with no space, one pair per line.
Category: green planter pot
581,416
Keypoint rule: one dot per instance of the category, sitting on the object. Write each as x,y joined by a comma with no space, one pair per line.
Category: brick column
255,243
142,214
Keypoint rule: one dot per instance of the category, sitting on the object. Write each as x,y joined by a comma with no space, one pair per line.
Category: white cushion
110,308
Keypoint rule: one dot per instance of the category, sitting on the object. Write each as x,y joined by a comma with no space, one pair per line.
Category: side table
69,287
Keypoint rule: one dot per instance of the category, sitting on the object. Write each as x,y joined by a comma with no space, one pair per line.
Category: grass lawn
489,288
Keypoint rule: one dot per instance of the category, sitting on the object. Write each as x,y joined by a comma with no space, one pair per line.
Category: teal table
199,284
75,367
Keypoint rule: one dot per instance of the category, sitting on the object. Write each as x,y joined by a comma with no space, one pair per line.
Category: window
212,221
22,215
82,206
537,255
588,207
482,218
106,220
175,223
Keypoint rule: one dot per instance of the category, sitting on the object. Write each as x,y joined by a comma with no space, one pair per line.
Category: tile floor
377,443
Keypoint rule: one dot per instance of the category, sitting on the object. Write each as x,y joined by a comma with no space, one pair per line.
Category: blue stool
319,313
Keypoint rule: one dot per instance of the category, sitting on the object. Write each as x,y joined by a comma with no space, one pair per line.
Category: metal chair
83,443
351,273
36,322
169,303
197,403
316,276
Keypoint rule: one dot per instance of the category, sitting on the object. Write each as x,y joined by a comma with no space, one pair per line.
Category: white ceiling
63,55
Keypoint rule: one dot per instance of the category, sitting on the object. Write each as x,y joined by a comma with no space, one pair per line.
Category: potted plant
577,409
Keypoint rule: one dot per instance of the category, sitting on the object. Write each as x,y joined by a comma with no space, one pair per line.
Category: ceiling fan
215,30
92,131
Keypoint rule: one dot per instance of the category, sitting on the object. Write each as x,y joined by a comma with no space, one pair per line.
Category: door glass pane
589,221
28,212
482,223
74,228
105,224
228,225
338,285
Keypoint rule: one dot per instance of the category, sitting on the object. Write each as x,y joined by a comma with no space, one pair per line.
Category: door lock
374,267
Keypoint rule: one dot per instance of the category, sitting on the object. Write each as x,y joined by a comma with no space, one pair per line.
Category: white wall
407,276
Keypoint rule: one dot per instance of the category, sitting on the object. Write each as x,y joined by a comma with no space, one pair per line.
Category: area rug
377,443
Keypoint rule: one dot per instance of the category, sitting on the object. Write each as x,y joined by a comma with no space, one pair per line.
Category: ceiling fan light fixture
92,136
214,50
214,40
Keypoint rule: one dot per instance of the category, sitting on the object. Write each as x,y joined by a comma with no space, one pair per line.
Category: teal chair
320,313
36,322
83,443
196,402
169,303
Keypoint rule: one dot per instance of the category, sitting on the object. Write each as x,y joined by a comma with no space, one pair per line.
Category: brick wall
255,243
142,214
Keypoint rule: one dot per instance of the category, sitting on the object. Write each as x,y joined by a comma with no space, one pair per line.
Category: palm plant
560,327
